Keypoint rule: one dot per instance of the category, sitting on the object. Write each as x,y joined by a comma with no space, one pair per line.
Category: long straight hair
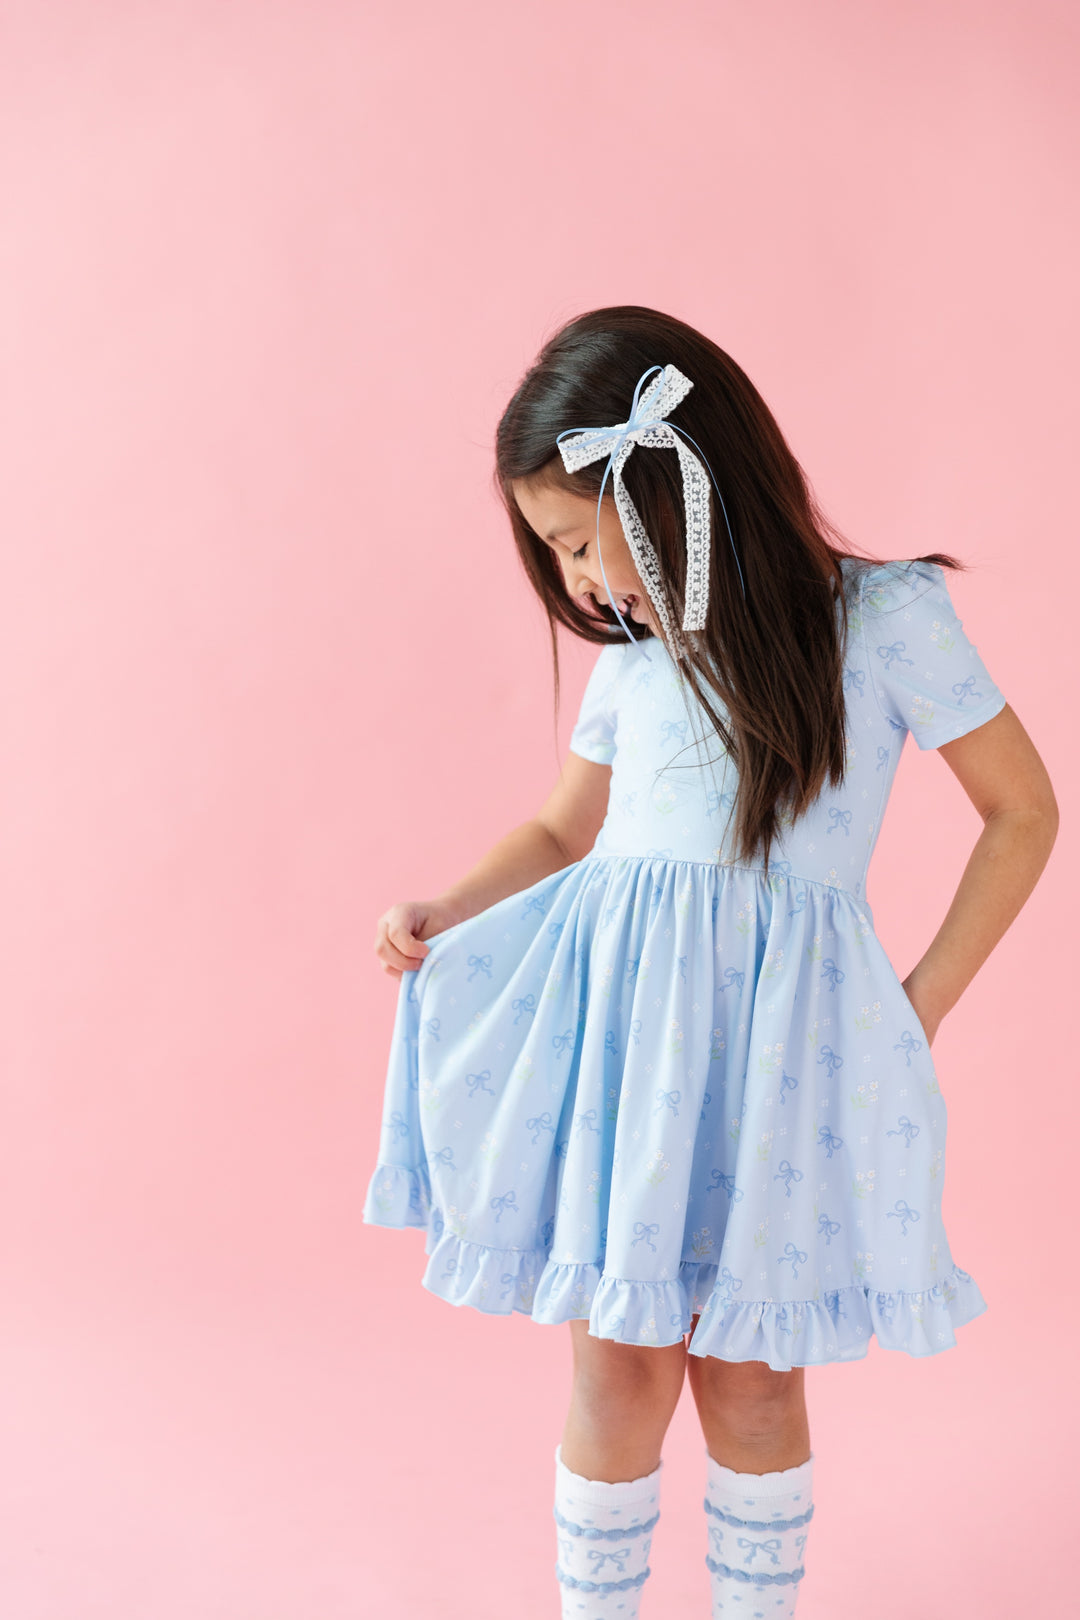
775,659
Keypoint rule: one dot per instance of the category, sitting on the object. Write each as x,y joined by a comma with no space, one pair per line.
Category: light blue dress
659,1082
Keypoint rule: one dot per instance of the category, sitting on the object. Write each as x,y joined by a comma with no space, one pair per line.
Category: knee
612,1377
747,1398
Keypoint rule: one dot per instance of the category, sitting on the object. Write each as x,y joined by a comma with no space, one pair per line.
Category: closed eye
577,555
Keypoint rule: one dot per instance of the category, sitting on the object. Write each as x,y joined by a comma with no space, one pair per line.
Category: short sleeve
927,673
593,736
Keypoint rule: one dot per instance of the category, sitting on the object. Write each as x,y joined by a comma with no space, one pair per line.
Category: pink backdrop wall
270,272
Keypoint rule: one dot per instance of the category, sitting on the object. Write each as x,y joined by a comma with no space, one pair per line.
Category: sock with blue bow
604,1534
757,1527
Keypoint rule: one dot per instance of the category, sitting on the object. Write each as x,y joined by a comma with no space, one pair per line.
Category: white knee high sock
604,1535
757,1527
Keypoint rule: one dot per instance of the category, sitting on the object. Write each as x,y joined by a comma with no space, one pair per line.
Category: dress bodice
909,668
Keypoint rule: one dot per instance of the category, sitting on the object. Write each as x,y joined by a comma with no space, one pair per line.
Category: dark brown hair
774,659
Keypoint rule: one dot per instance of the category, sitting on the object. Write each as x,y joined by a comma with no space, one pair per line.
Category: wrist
452,909
926,995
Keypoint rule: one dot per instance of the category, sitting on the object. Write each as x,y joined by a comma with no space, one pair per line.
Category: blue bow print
787,1175
727,1183
431,1027
827,1229
587,1121
635,1030
523,1004
398,1125
618,1557
505,1201
609,1043
562,1042
645,1233
833,1059
788,1083
830,971
715,800
907,1130
795,1255
903,1213
673,729
670,1098
840,818
506,1281
732,976
770,1547
555,929
855,678
828,1141
538,1123
966,688
892,652
727,1283
535,902
444,1156
907,1044
480,964
479,1082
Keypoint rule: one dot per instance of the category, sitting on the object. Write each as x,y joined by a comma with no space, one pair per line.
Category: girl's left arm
1002,774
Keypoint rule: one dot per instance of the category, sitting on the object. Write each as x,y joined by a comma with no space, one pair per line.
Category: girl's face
567,523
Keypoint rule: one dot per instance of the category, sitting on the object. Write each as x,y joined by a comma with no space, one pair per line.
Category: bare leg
753,1419
623,1398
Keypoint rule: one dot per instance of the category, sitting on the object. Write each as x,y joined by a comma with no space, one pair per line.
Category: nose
576,582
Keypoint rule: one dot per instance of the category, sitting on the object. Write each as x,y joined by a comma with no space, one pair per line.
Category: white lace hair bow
647,426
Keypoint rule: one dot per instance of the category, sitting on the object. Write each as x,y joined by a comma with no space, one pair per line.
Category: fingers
397,946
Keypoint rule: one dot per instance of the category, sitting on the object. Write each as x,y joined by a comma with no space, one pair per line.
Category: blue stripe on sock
605,1535
755,1580
626,1585
760,1524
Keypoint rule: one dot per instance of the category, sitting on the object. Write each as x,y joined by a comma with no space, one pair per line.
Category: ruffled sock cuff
606,1493
784,1482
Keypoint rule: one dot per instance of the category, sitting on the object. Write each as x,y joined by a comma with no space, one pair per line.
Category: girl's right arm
564,829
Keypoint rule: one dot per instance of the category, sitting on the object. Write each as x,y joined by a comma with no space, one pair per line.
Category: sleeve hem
582,751
936,736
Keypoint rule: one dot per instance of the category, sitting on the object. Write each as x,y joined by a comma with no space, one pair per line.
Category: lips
625,602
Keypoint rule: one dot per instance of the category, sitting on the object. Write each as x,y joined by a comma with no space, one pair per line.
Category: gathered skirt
644,1089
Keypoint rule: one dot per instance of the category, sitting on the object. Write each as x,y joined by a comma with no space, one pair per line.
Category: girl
652,1071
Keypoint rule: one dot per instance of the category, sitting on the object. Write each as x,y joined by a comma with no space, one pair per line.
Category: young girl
652,1071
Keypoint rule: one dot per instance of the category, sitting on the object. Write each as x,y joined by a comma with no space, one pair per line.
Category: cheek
621,573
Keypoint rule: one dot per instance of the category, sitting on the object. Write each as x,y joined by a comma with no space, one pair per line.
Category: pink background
270,272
